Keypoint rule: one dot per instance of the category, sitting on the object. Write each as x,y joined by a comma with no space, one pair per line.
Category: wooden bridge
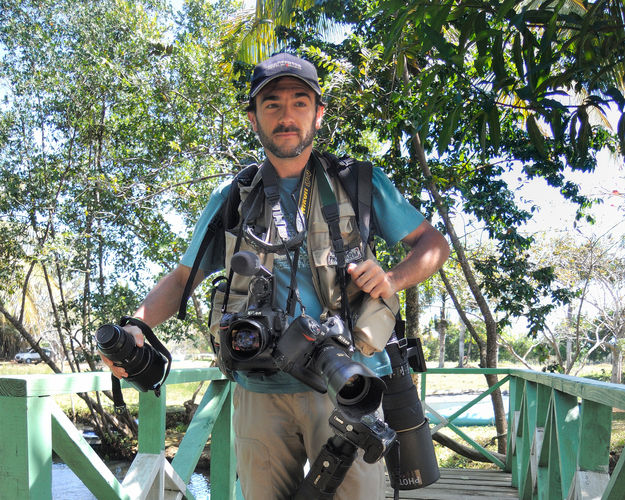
558,441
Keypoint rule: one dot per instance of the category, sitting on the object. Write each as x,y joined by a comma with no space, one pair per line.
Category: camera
319,355
146,366
415,466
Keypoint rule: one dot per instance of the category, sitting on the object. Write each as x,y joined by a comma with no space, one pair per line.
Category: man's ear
252,118
319,119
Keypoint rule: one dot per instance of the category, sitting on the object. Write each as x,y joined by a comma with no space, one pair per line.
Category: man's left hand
371,278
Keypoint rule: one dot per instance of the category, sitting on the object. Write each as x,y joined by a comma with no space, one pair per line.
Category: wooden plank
593,390
69,444
587,485
69,383
459,484
152,412
567,425
144,479
223,475
616,486
593,453
199,429
25,448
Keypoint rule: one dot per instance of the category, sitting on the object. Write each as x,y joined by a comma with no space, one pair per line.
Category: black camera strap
118,398
271,189
331,214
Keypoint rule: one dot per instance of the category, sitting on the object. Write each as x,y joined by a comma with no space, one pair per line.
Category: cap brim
270,79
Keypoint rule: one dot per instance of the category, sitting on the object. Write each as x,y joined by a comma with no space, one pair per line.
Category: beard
306,139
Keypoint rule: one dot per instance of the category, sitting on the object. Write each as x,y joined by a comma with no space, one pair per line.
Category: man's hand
371,278
118,371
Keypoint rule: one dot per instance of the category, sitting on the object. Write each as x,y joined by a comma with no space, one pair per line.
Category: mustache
280,129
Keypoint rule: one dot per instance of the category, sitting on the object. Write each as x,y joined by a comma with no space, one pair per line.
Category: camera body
319,355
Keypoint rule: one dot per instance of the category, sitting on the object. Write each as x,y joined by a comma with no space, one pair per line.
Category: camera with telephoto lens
147,366
415,466
319,355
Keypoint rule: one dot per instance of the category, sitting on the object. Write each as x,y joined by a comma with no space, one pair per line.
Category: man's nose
286,116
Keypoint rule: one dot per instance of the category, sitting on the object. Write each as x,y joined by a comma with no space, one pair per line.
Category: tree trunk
412,312
489,320
617,366
461,332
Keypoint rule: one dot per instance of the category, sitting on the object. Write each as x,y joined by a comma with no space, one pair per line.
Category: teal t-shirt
388,204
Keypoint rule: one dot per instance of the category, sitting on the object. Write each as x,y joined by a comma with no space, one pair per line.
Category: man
280,423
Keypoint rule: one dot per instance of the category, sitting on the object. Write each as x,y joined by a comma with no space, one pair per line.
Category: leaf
449,127
536,136
494,128
481,34
517,54
621,133
584,132
615,94
555,120
498,61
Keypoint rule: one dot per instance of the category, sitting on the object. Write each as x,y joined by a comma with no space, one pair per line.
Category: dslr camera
319,355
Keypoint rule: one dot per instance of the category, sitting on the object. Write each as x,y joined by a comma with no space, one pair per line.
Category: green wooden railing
32,426
559,430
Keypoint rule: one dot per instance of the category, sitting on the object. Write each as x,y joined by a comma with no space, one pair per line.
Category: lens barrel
146,367
416,466
352,387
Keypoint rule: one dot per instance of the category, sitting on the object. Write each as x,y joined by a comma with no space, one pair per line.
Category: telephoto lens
146,367
416,465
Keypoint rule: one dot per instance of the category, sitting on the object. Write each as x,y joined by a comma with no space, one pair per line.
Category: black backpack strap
215,225
356,178
226,218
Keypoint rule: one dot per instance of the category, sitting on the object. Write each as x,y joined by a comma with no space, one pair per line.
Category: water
67,486
479,414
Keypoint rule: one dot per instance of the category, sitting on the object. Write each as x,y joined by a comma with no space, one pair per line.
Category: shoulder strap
356,178
226,218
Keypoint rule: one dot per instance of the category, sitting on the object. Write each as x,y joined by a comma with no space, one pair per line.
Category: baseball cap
283,64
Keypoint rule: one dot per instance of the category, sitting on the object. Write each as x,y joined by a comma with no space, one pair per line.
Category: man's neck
290,167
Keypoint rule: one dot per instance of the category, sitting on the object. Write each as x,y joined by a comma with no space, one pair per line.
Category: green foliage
114,130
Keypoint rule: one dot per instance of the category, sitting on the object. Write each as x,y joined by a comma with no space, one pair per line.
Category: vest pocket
236,302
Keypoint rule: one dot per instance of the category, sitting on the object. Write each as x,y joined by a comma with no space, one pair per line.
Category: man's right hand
118,371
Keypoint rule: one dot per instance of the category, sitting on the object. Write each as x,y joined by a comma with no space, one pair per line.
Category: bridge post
25,447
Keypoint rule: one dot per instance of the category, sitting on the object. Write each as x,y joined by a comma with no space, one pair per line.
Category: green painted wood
527,427
567,425
593,453
514,405
69,444
184,375
616,486
223,462
25,448
477,446
471,371
152,413
479,398
552,486
69,383
200,428
592,390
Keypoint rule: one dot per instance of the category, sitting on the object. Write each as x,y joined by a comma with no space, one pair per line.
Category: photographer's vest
373,320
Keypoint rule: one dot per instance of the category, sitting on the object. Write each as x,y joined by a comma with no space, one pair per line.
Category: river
67,486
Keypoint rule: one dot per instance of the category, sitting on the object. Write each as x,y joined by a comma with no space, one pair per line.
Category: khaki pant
277,433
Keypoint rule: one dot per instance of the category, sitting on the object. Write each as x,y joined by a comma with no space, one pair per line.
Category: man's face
287,117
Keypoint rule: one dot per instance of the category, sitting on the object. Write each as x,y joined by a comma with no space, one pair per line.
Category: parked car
31,356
